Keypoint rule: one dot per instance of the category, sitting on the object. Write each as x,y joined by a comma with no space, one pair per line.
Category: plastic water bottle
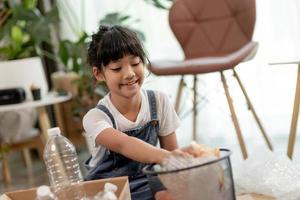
63,168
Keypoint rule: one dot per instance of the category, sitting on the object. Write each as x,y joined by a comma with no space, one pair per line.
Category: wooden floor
27,178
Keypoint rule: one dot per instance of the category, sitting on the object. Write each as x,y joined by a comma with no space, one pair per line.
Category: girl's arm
168,142
131,147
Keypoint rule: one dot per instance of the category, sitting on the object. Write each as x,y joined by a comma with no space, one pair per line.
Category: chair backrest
23,73
207,28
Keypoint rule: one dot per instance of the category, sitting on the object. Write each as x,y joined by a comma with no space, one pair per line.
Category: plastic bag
267,173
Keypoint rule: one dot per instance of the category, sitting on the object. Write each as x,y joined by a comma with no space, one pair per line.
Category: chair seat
33,133
204,64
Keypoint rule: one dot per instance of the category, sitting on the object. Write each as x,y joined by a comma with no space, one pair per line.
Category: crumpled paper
268,173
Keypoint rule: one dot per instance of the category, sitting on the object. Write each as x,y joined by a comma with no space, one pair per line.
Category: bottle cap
43,191
54,131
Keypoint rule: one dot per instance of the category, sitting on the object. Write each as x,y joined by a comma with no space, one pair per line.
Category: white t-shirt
95,121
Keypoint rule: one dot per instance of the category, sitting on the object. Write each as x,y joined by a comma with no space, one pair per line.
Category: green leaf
20,13
52,17
83,38
124,18
114,18
63,52
16,34
39,31
26,38
29,4
158,4
76,64
25,29
4,52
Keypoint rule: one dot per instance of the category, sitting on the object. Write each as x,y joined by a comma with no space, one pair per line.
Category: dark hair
112,43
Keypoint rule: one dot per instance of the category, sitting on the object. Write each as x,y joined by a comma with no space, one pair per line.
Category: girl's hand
180,153
175,157
201,150
193,150
167,154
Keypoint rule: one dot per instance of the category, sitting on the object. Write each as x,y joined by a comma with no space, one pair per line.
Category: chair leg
295,115
195,108
178,98
234,117
253,111
179,92
40,146
27,157
6,170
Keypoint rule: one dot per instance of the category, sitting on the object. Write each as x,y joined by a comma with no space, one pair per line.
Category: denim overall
113,164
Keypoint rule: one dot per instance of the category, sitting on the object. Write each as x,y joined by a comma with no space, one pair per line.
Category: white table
295,115
50,99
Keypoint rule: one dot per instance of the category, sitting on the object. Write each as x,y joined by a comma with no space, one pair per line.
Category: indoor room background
271,87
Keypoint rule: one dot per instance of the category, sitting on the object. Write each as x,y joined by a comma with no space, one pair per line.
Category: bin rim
147,171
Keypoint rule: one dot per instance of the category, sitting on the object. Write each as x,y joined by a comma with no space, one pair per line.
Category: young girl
127,123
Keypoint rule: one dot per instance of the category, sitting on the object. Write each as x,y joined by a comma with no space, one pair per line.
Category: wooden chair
215,35
35,142
22,73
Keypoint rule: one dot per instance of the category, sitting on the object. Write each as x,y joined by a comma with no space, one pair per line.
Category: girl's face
124,77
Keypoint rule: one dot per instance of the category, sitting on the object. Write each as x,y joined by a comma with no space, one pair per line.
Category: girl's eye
136,63
116,69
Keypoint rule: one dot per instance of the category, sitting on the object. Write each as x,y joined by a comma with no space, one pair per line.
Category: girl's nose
129,73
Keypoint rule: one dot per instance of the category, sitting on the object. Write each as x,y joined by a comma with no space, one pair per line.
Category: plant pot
64,81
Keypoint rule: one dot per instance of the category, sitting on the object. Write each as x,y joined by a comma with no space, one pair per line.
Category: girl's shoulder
94,112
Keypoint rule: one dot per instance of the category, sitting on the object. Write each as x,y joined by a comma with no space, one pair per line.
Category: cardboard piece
254,197
91,188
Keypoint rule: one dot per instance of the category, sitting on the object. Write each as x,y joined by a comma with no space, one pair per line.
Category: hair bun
103,28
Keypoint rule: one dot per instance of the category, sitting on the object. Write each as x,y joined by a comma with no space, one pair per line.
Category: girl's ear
98,74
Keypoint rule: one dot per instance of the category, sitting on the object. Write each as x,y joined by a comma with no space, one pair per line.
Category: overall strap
152,104
108,113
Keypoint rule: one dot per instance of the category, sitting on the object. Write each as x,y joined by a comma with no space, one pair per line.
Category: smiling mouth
130,83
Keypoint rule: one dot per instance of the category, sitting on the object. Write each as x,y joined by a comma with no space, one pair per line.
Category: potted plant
24,29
